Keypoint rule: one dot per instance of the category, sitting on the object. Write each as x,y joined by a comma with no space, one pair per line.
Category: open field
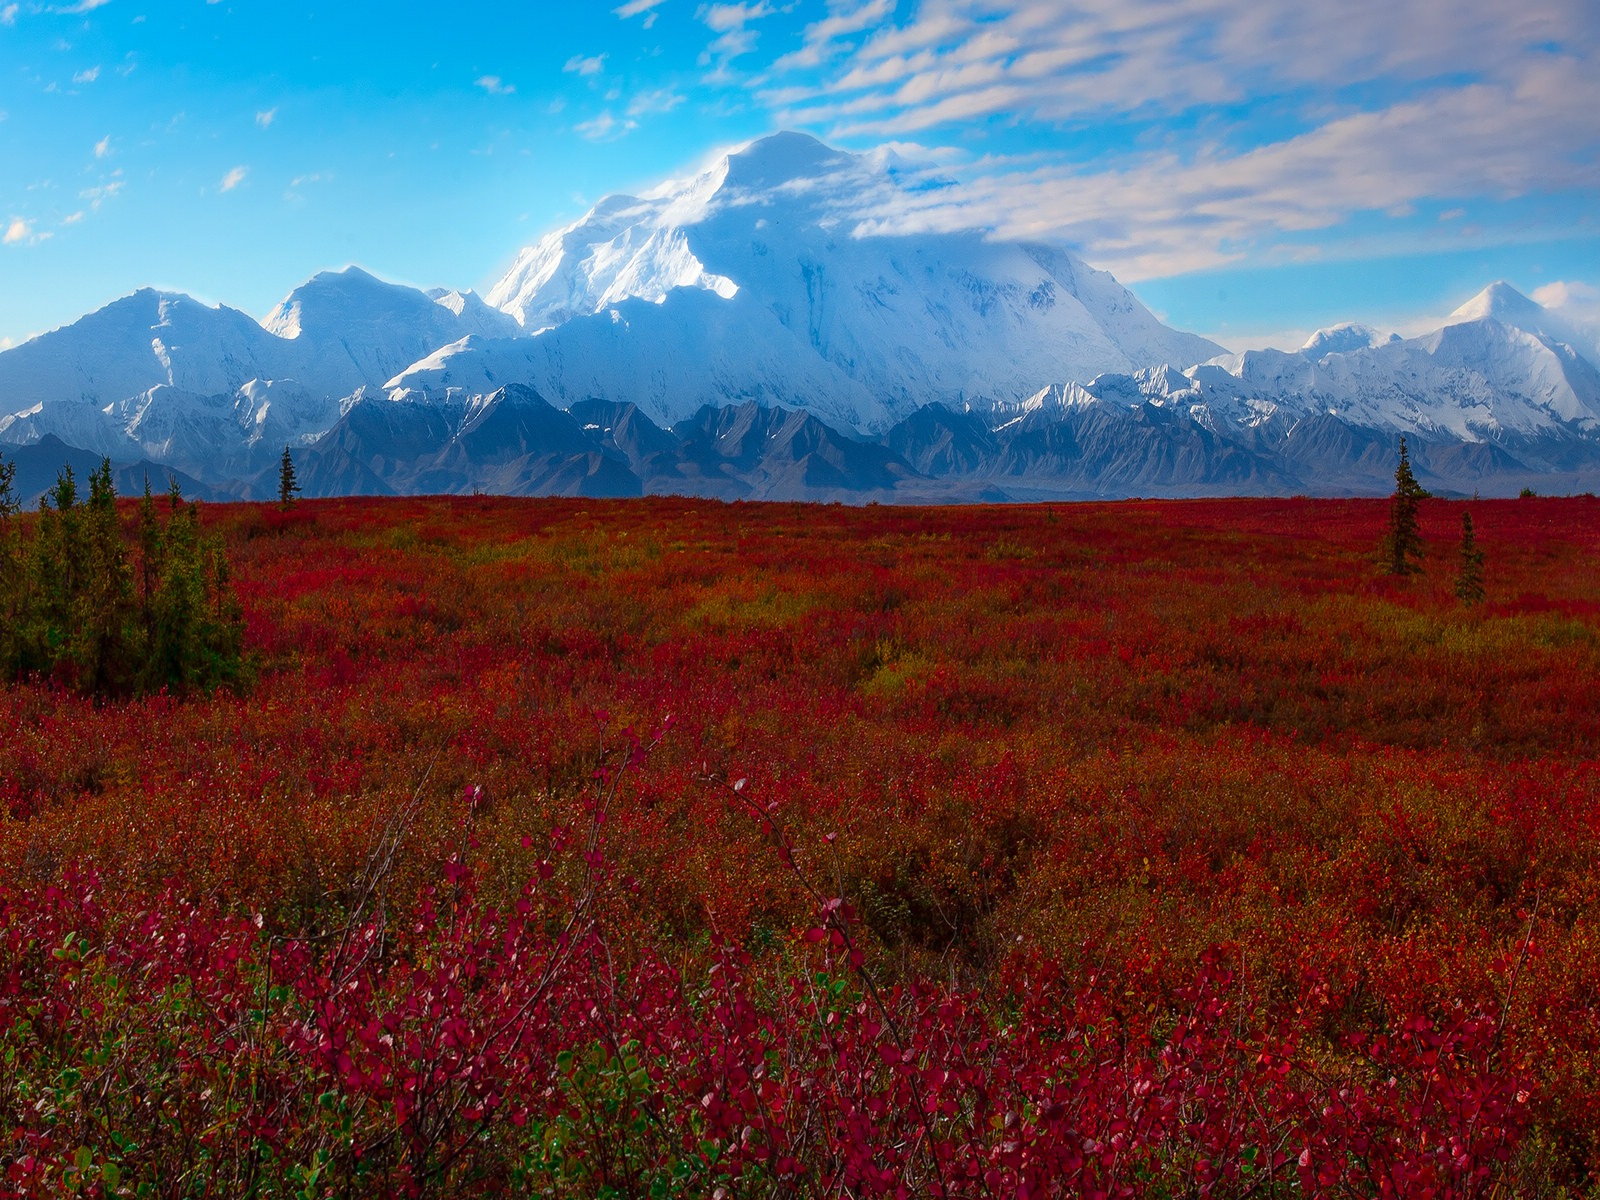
652,848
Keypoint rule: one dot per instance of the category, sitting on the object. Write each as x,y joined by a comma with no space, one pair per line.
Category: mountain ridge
940,366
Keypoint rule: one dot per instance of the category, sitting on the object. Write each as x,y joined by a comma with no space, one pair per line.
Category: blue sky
1252,168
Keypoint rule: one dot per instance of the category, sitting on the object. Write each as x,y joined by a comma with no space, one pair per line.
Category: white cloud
1576,302
233,178
606,127
87,76
73,218
634,7
21,232
578,64
83,6
103,147
266,117
8,14
494,85
314,177
1565,294
723,17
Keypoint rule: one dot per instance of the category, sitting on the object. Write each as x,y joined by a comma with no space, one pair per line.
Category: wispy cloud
636,7
735,37
824,38
83,6
494,85
1165,213
584,65
266,117
88,75
1376,107
233,178
606,127
96,196
662,100
723,17
960,59
103,147
8,14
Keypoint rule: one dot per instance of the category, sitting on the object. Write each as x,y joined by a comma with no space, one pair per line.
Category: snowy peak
1342,339
327,294
351,329
1503,303
779,160
1499,302
335,305
1480,379
782,231
136,343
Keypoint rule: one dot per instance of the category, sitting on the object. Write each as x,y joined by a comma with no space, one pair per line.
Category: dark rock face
515,443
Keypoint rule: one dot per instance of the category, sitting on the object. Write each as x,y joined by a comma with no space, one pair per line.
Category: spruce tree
1402,542
288,485
1469,581
99,645
56,568
8,497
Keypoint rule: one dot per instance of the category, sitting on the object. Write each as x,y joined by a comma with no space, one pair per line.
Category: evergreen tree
103,607
288,485
1402,542
76,607
56,570
8,497
1469,581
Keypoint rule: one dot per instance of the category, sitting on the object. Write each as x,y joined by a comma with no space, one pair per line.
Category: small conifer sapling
1469,579
288,485
1402,541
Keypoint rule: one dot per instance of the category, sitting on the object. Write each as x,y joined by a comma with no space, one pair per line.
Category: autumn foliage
670,848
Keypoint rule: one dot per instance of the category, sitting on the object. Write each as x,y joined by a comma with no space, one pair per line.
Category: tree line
83,604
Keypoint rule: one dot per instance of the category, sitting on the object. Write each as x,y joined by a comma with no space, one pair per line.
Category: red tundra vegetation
669,848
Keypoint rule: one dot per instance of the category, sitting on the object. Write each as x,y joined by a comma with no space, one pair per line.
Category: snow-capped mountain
755,332
349,329
1343,338
134,344
758,277
1495,373
164,375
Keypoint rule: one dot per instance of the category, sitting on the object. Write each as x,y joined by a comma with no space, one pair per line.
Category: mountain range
756,332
